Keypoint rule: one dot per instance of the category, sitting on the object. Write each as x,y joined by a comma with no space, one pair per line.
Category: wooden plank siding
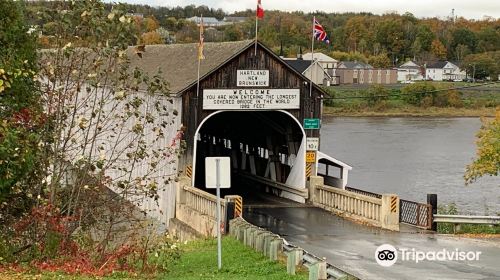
281,76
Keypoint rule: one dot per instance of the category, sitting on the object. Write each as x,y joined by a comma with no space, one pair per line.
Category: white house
409,71
313,71
444,71
325,61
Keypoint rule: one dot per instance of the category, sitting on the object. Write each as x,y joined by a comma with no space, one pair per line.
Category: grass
409,111
198,261
350,100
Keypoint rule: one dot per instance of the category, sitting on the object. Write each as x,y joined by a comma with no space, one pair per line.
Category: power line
415,93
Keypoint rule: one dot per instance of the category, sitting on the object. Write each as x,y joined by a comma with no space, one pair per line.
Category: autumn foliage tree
105,146
487,162
21,116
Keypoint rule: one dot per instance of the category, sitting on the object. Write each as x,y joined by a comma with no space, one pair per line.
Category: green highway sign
311,123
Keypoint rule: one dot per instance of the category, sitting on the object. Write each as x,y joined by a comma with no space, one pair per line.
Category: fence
414,213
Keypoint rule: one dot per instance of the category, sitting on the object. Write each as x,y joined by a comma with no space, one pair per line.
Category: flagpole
312,57
256,24
199,62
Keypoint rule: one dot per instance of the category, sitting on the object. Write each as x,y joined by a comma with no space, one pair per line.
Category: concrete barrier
273,246
380,212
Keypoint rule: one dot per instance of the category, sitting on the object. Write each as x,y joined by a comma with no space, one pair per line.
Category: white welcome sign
252,78
251,99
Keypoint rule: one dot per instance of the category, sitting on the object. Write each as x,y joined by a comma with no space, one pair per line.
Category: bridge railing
367,193
197,209
349,203
377,211
203,202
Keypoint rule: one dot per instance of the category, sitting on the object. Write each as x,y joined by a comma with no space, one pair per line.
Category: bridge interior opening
261,144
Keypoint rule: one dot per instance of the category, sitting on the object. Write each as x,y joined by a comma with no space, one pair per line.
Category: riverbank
409,111
422,99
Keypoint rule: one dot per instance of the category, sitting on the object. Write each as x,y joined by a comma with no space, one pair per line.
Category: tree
488,39
21,118
355,30
105,147
464,36
389,33
483,65
380,61
151,24
438,49
425,37
152,38
487,161
461,51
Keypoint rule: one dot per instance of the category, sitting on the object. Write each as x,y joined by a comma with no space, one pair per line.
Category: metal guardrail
309,259
462,219
277,185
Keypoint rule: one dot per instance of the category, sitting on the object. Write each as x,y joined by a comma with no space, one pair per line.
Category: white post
219,249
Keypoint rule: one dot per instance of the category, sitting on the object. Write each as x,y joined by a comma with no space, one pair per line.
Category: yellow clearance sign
310,157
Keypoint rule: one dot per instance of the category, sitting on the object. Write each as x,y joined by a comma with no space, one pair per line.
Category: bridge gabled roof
179,62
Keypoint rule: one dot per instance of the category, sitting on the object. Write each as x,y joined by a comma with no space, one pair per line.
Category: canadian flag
260,10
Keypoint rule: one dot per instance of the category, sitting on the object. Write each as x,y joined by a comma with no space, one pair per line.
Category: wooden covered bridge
251,106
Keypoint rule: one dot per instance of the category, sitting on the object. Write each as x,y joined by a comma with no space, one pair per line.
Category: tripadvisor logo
387,255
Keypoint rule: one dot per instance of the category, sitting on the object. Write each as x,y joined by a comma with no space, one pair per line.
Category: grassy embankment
198,261
351,100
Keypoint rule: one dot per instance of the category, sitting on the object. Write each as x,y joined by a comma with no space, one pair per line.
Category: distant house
314,71
235,19
325,61
355,72
444,71
410,71
213,22
207,21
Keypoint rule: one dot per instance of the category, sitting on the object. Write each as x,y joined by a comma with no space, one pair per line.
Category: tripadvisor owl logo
386,255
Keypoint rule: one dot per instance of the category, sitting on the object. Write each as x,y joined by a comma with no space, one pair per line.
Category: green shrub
419,94
376,94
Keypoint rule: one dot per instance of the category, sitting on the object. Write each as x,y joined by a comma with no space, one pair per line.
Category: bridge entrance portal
267,145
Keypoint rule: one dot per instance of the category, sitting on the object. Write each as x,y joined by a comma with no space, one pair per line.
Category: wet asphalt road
351,246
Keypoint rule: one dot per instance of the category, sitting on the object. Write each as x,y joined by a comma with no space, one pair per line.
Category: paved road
351,247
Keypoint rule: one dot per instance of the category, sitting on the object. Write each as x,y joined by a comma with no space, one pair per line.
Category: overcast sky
471,9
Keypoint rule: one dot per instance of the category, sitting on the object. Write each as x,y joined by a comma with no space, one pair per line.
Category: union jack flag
320,33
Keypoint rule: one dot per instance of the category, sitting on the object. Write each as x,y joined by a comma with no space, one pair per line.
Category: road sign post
219,249
221,167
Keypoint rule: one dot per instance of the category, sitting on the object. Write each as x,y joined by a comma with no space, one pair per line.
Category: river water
412,157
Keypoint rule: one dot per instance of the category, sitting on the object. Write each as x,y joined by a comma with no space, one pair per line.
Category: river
412,157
